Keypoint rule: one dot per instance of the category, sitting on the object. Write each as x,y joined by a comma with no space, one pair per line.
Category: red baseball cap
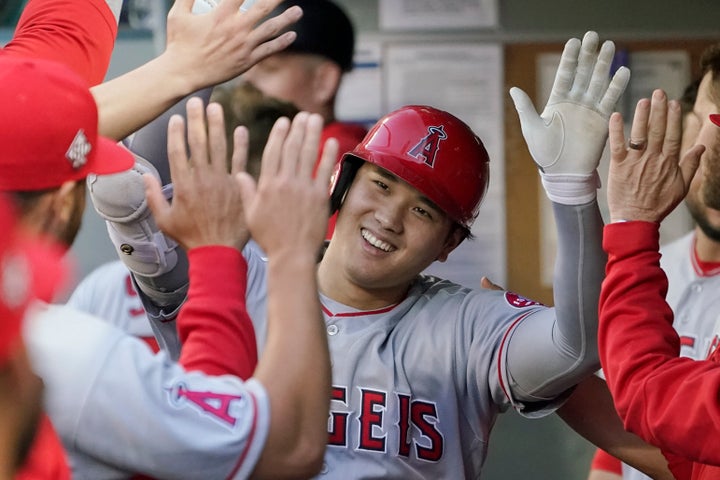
49,128
30,268
715,118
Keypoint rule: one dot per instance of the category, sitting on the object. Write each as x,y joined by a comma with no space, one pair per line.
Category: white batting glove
567,139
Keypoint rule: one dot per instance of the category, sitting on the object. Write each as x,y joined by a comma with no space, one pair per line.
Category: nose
390,215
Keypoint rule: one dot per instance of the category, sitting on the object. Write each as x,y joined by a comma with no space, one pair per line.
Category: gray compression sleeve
150,142
163,295
553,350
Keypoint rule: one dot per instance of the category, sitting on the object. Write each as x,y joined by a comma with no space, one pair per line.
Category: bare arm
295,366
591,413
202,50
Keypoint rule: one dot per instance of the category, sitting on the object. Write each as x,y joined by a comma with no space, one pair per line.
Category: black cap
324,29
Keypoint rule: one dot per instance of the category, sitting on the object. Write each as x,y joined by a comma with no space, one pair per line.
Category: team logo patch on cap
427,148
518,301
79,150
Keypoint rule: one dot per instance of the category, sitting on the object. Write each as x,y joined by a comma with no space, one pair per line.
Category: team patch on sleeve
517,301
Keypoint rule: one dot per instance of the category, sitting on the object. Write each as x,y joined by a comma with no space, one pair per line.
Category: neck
334,284
707,249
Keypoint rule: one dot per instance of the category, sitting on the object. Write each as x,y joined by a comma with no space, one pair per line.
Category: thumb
156,201
247,189
690,163
524,107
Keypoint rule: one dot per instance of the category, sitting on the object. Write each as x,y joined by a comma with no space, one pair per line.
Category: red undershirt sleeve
213,324
668,401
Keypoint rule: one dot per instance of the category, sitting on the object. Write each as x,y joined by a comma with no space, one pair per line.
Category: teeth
375,242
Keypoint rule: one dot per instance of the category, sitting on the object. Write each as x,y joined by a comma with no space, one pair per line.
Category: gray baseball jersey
693,297
120,409
108,293
417,386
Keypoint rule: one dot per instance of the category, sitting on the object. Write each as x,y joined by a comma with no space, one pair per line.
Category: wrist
571,189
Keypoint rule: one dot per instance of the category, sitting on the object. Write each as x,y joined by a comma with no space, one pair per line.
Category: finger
601,73
273,148
639,128
241,144
177,149
673,131
615,90
293,145
488,285
328,160
586,63
197,133
690,163
271,47
524,107
566,70
217,138
311,146
156,201
616,141
248,189
257,11
657,122
271,27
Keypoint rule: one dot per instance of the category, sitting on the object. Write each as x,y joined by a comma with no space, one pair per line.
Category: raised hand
567,139
226,41
206,208
647,179
288,209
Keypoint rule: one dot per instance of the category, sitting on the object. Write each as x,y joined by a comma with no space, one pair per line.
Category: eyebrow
394,179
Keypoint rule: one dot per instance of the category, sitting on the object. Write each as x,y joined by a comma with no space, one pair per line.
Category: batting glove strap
571,189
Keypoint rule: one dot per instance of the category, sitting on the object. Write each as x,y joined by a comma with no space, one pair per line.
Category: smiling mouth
375,242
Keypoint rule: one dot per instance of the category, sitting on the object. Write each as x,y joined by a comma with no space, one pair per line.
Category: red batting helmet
432,150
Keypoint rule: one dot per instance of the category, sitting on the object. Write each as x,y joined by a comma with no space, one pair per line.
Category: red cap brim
110,157
715,118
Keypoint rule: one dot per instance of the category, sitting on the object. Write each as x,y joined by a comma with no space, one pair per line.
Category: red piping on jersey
500,355
358,314
253,429
703,269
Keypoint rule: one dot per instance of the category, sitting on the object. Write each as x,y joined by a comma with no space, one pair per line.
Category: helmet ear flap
342,178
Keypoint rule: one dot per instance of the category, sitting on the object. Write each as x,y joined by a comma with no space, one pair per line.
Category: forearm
214,327
551,351
295,365
639,350
130,101
591,413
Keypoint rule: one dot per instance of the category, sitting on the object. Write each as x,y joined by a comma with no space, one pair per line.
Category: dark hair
243,104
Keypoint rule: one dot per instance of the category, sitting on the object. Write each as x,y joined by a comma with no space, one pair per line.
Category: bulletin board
521,179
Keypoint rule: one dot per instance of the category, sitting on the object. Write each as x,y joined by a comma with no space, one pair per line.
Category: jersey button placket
332,330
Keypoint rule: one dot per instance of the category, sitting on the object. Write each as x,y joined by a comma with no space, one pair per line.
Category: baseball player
421,366
691,262
30,270
667,400
105,389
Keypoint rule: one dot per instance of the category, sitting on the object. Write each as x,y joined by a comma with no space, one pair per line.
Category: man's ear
64,200
455,238
326,81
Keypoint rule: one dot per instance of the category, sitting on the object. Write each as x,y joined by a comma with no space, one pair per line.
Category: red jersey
80,35
668,401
